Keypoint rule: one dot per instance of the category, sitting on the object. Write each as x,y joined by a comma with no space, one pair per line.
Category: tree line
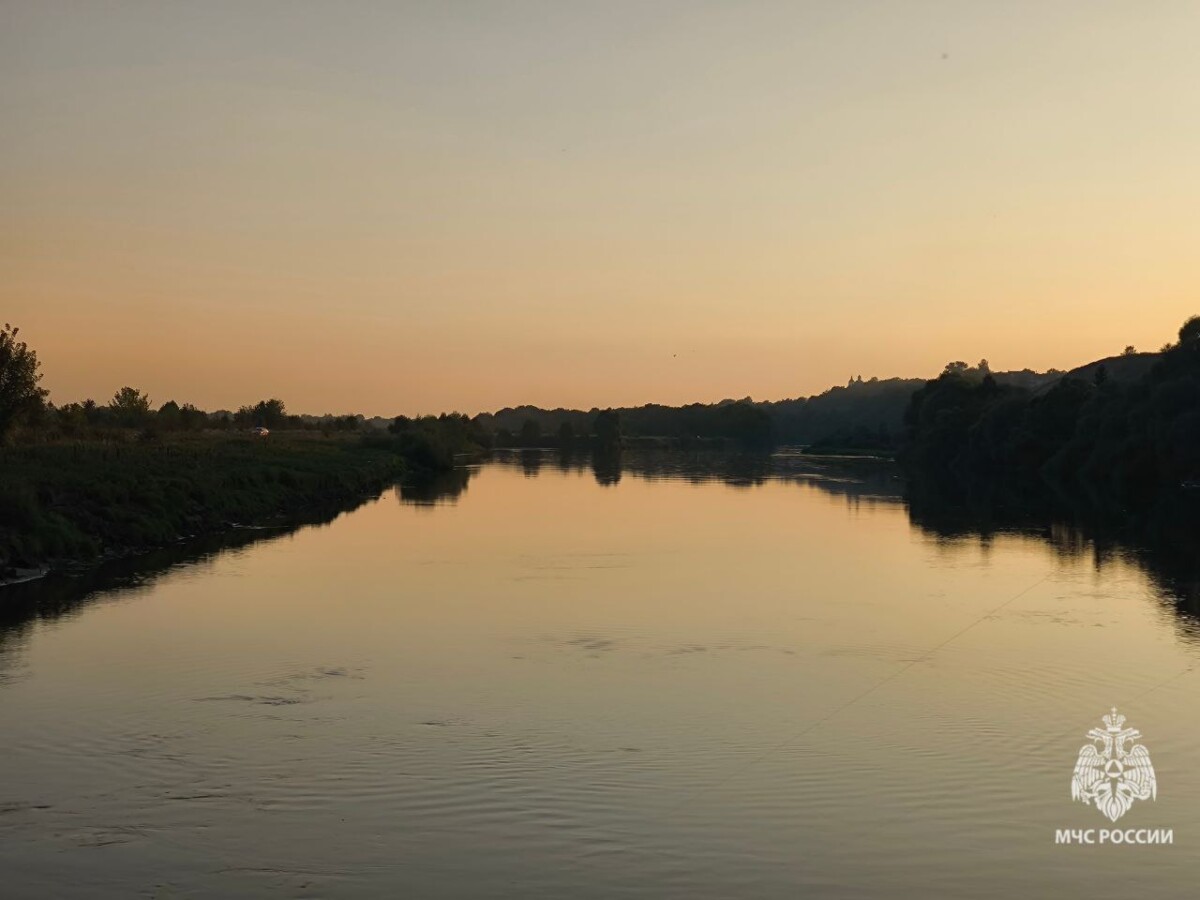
1118,437
969,418
24,408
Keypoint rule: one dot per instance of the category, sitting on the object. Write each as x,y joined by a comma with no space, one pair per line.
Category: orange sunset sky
416,207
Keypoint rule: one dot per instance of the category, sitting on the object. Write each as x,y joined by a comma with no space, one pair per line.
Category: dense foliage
1123,438
741,421
20,395
864,414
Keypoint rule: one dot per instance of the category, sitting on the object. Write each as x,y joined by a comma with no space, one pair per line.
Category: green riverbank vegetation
87,480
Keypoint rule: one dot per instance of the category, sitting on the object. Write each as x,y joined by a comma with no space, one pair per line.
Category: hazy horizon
426,207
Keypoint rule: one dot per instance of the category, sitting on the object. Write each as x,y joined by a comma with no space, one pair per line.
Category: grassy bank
78,501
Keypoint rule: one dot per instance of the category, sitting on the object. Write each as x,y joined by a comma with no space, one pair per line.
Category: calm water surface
738,680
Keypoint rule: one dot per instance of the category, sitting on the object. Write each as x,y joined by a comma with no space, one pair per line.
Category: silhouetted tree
20,395
168,416
1189,332
607,428
745,423
129,407
190,418
265,413
531,433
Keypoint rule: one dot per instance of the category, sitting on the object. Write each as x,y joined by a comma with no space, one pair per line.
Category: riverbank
73,503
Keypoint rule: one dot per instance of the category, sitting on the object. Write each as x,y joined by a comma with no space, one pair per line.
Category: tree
566,435
1189,332
129,407
20,395
745,423
531,433
1129,350
190,418
168,416
265,413
607,428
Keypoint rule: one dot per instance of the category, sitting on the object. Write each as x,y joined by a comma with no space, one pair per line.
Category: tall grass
79,500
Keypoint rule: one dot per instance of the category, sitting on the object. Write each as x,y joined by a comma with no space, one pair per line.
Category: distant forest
1124,422
863,415
1116,429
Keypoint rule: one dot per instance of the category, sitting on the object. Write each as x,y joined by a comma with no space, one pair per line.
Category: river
670,676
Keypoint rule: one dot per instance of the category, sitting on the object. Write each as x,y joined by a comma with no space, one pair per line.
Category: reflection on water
439,489
647,674
1164,540
851,476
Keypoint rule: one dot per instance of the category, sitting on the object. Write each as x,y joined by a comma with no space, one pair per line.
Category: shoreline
80,566
72,507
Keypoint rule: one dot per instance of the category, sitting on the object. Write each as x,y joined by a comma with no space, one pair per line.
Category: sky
420,207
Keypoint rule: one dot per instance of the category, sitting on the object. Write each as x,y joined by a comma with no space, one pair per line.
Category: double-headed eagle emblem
1110,774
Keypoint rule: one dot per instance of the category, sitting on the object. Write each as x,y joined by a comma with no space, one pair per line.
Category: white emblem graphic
1111,775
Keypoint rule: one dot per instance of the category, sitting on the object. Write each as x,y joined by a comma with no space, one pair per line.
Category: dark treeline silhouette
132,409
741,422
1124,433
865,414
600,429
